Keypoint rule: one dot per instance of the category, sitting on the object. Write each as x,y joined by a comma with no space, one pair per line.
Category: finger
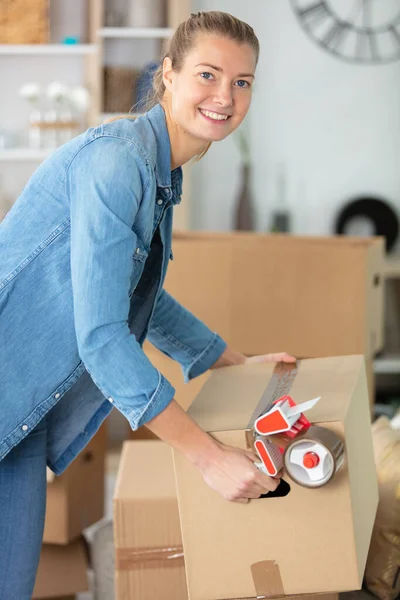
260,478
271,358
241,500
282,357
268,483
270,486
256,492
252,456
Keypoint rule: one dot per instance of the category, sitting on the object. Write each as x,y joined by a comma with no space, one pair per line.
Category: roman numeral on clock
336,34
395,34
313,13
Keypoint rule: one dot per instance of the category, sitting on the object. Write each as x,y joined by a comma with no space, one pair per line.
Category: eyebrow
221,70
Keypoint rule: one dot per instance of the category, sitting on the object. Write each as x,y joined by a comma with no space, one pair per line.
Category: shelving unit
389,364
92,55
47,49
136,33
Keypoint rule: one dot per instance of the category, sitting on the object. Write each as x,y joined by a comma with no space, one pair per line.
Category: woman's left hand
270,358
231,357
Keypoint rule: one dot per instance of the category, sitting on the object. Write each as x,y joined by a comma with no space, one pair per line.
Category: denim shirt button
56,396
24,427
137,250
111,400
159,202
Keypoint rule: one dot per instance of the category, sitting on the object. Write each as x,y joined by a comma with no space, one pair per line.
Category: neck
183,146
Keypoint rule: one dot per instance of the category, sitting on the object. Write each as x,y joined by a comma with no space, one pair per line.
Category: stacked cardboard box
147,534
75,500
305,542
309,296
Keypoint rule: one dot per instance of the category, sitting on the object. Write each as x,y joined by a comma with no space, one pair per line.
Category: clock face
361,31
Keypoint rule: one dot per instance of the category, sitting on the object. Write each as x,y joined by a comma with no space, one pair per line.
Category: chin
212,137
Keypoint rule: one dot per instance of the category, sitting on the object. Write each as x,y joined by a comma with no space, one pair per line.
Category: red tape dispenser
285,417
311,459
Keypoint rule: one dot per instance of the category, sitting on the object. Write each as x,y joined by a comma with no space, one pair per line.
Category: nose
223,95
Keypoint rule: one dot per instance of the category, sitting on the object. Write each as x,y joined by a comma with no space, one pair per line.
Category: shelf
387,365
392,267
136,33
48,49
24,154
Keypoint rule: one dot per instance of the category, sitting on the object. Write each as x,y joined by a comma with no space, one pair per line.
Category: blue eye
206,75
242,83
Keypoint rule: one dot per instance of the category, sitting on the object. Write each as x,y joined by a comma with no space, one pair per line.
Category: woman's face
211,94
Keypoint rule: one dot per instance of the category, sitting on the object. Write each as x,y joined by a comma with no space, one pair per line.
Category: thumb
241,500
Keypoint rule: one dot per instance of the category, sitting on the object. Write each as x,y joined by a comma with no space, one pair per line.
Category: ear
168,73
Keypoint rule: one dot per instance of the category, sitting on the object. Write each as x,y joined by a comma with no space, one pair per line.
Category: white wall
334,126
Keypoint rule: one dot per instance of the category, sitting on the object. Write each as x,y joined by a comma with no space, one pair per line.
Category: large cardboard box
309,296
75,499
62,571
185,392
147,536
309,541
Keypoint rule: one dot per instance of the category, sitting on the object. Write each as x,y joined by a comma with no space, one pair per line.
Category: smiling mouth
214,116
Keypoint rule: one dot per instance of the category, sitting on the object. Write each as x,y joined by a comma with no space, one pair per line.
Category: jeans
22,512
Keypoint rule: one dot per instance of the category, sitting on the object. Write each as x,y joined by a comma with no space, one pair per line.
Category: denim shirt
84,253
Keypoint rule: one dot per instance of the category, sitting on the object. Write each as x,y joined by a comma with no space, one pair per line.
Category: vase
244,213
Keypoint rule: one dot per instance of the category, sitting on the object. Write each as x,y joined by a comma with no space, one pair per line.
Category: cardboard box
185,392
309,296
309,541
147,536
62,571
75,499
146,521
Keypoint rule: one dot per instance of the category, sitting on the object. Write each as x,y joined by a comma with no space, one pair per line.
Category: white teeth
213,115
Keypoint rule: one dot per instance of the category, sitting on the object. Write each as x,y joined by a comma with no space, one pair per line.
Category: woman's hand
232,473
231,357
270,358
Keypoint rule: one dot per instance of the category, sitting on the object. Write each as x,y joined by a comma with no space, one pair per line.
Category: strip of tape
267,579
128,559
280,385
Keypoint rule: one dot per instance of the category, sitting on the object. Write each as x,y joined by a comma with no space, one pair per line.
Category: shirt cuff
162,397
206,358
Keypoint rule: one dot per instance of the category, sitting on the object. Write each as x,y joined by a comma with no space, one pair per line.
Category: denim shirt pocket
139,258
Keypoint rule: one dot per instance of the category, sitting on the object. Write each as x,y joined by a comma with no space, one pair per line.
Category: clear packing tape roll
313,459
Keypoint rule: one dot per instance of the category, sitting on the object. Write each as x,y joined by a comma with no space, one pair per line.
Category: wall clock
358,31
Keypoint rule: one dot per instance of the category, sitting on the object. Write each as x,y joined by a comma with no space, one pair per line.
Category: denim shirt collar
164,177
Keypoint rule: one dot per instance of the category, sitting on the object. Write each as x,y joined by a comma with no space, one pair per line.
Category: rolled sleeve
207,358
182,336
105,189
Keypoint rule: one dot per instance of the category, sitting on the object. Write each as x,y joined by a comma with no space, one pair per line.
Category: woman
84,251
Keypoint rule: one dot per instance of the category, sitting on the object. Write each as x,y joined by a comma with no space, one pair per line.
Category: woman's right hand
232,473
